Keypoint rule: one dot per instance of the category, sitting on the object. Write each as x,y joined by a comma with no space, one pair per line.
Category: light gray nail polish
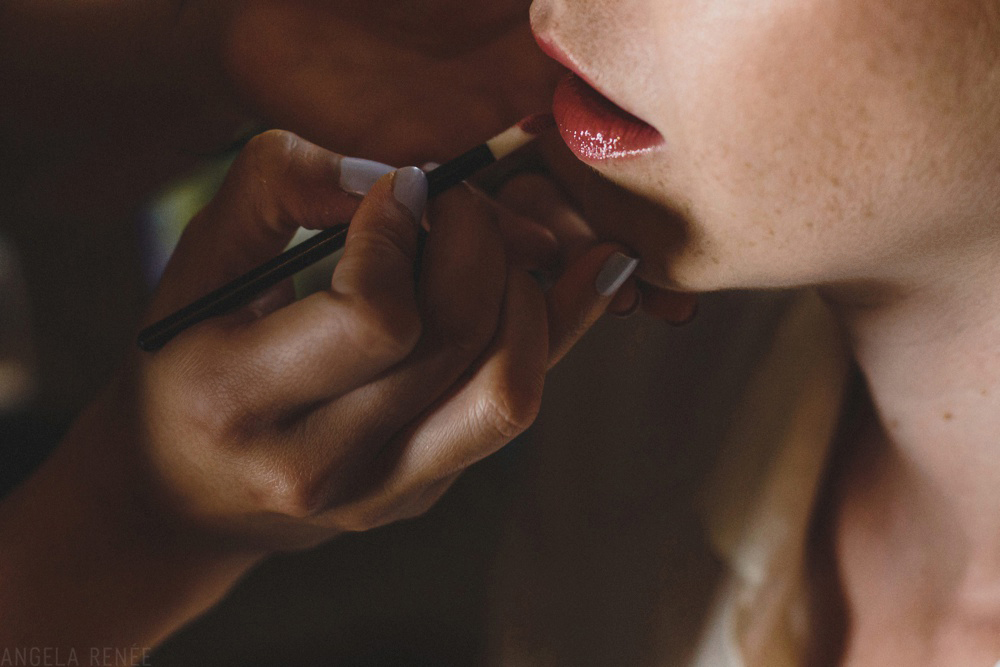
409,187
357,176
614,273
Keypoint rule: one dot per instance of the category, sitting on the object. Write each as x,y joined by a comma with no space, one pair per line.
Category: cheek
797,129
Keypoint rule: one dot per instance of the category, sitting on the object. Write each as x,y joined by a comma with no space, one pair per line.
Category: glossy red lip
597,129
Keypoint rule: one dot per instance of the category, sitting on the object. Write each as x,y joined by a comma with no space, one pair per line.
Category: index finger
333,341
278,183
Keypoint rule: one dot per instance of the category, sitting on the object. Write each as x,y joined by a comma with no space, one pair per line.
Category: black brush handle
453,172
243,289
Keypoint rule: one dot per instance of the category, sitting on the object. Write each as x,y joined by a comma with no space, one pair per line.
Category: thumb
381,248
278,183
583,293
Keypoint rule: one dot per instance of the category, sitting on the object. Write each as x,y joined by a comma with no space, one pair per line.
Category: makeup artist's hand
286,423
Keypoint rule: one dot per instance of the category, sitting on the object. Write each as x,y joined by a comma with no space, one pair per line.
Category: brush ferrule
509,141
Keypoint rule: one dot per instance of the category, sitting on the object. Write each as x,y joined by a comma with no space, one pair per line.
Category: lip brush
244,288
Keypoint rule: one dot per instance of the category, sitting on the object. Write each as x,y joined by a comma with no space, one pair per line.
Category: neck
925,485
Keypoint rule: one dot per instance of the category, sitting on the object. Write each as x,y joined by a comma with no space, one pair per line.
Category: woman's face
799,141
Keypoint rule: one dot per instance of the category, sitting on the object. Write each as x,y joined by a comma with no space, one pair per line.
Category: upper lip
556,52
553,50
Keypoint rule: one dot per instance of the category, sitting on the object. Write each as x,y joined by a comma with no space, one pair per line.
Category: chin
696,267
691,274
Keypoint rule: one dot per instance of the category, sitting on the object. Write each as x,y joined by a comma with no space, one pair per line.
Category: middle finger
460,293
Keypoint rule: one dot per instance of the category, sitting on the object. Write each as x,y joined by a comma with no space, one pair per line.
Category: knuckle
384,332
291,492
269,151
427,499
417,509
256,179
468,339
469,330
508,410
366,517
399,503
213,396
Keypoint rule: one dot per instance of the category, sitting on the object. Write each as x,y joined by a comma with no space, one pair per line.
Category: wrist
105,451
92,562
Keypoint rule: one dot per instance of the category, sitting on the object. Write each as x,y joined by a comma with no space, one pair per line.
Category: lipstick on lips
597,129
594,127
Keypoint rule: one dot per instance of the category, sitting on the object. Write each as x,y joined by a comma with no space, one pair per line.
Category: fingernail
430,166
357,176
409,187
686,318
632,309
614,273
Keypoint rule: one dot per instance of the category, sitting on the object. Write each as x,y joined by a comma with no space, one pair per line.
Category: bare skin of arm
199,461
106,101
288,422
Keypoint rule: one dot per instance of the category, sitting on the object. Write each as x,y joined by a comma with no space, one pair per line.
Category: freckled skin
853,145
809,141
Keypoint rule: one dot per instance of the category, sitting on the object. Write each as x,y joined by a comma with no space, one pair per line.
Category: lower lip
595,128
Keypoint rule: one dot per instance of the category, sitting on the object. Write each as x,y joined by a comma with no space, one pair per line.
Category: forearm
87,563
